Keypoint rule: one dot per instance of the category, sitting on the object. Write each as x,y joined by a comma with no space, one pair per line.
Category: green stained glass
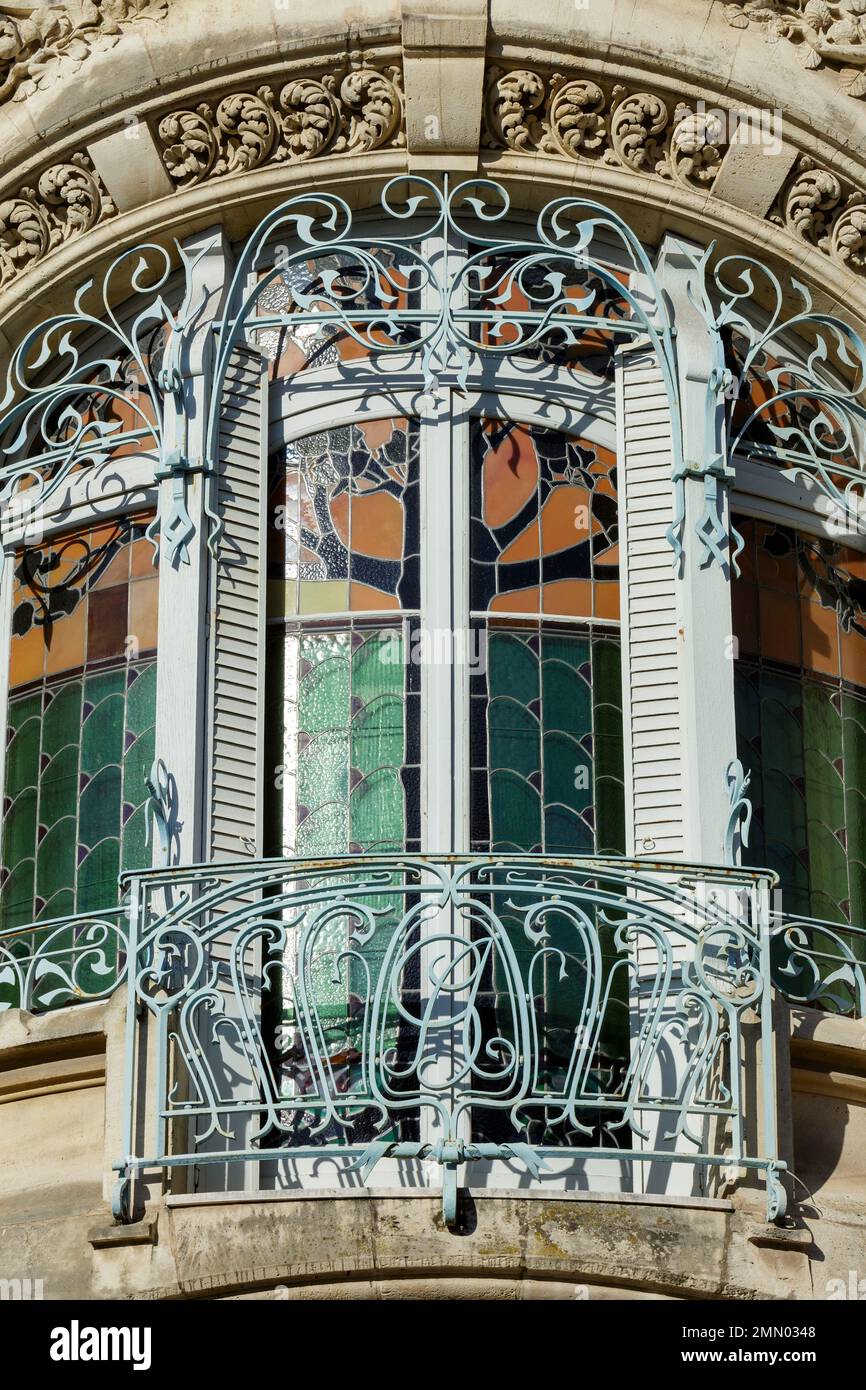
65,812
61,724
825,801
55,859
22,708
58,791
547,722
80,741
20,835
515,812
141,699
102,729
22,749
567,761
515,736
804,741
97,875
512,667
607,747
18,891
99,807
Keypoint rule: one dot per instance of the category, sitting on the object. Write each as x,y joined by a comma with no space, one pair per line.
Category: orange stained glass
606,601
363,598
510,478
820,638
377,525
517,601
65,640
570,597
810,601
562,517
144,613
779,626
345,519
78,598
544,522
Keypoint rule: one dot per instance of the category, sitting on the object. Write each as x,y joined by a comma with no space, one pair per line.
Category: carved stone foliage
819,208
67,199
578,118
344,113
42,43
829,33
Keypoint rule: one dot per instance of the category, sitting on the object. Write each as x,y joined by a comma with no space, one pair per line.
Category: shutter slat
237,605
650,622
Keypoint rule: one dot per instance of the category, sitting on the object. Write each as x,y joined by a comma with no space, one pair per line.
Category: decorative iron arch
487,296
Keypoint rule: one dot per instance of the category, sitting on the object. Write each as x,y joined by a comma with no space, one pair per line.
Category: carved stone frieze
822,33
819,208
66,200
578,118
357,110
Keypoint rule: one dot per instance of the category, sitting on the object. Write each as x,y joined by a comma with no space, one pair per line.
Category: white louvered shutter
235,791
237,611
650,642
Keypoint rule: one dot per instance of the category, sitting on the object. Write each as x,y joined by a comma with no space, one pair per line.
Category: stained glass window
80,724
378,283
344,540
343,716
800,621
534,289
546,718
777,415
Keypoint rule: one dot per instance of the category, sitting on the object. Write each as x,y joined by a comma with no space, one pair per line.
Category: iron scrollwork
450,1010
68,960
495,296
791,379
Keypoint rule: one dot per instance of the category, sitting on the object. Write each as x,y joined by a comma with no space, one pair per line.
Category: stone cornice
585,121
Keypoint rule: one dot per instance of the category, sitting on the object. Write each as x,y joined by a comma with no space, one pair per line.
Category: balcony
554,1019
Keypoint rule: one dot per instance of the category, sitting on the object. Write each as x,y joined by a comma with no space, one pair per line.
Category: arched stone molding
638,107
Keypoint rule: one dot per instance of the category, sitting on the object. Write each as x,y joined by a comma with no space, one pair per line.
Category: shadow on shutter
237,608
237,597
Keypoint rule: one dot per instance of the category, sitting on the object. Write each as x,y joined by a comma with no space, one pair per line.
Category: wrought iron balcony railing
818,963
63,960
525,1010
540,1012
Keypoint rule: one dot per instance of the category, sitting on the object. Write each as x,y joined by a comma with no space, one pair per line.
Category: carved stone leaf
189,144
310,120
46,43
808,56
735,17
854,81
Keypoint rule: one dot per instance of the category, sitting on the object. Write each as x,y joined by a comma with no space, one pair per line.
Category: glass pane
544,522
80,721
800,616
